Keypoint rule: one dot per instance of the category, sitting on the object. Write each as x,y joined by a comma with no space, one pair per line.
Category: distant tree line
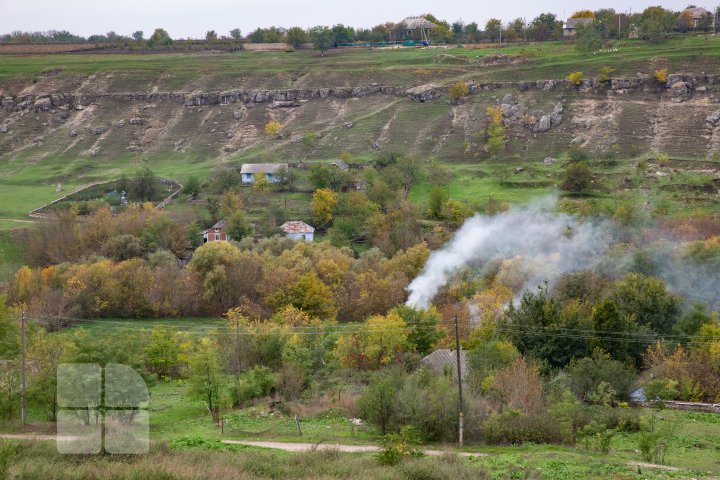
653,23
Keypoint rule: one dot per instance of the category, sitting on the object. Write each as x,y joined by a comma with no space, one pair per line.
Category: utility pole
237,346
23,393
461,419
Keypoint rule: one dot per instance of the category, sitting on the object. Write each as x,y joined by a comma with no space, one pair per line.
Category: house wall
213,236
308,237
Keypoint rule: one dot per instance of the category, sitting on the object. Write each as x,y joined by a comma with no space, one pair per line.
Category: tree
238,227
211,35
588,373
160,38
236,34
9,332
323,206
343,34
163,353
577,178
272,128
296,37
424,325
145,186
647,299
192,187
310,295
583,14
122,247
472,32
322,38
206,379
516,30
436,201
380,342
493,27
495,131
138,36
545,26
655,24
213,255
587,38
378,404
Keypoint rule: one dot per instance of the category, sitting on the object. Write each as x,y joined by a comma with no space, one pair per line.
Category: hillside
77,119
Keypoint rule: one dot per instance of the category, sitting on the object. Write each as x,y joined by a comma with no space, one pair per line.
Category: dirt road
304,447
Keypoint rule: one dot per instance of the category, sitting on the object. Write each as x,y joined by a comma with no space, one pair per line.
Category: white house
272,171
298,230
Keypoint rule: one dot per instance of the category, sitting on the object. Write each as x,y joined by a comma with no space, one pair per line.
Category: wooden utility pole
461,419
23,393
237,347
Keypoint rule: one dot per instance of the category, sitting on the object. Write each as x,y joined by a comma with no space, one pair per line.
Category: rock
64,115
543,125
3,129
8,103
549,161
714,119
348,124
679,91
376,145
238,115
79,107
555,119
134,148
422,93
508,100
43,104
120,124
99,130
519,170
73,133
94,152
136,121
296,138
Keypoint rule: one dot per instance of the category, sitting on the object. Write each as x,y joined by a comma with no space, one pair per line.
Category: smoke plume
551,243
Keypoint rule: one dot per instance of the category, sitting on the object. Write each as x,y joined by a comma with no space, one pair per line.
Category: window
217,236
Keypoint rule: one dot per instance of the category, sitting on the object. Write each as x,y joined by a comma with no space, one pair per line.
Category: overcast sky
192,18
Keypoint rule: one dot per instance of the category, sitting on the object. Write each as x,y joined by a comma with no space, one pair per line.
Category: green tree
493,28
160,38
588,38
436,202
192,187
545,27
647,299
655,24
145,186
577,178
588,373
238,227
163,353
378,403
322,38
138,36
211,35
343,34
206,380
296,37
236,34
424,326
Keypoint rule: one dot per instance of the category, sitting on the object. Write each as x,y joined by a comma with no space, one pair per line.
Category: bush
398,446
661,389
604,75
272,128
513,428
309,139
577,178
459,90
122,247
575,77
255,383
378,404
192,187
661,75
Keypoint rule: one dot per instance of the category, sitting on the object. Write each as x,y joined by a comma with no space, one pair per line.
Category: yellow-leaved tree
377,343
323,206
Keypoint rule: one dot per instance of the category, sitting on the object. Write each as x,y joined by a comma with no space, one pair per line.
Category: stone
549,161
348,124
64,115
508,100
543,125
42,104
296,138
422,93
519,170
238,115
134,148
94,152
3,129
99,130
120,124
714,119
73,133
136,121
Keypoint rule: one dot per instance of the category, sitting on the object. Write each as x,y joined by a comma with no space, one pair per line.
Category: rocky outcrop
713,119
422,93
136,121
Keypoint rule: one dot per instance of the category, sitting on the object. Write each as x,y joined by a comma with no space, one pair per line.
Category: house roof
697,12
574,22
342,165
296,226
262,167
221,224
445,359
413,23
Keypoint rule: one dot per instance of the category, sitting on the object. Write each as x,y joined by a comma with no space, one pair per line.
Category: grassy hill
620,131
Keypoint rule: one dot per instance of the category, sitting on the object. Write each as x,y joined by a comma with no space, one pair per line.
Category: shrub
495,131
255,383
661,75
272,128
309,139
192,187
459,90
661,389
398,446
122,247
577,178
575,77
513,428
378,403
604,75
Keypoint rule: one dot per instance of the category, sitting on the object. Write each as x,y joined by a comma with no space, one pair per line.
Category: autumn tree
577,178
495,131
493,27
323,205
379,342
310,295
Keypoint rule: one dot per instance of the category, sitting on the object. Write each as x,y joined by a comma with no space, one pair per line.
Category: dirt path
304,447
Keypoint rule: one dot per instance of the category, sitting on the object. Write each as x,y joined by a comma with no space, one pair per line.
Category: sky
192,18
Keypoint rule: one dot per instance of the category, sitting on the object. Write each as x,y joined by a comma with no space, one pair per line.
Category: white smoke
555,243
